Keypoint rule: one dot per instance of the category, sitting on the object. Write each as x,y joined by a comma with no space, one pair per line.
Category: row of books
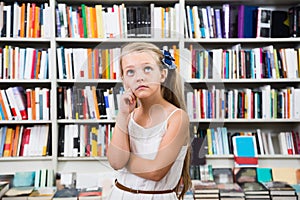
81,140
238,63
44,184
247,183
23,63
117,21
217,64
243,103
87,63
29,104
240,21
23,140
25,20
88,102
220,141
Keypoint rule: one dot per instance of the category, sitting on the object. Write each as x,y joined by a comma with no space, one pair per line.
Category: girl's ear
164,74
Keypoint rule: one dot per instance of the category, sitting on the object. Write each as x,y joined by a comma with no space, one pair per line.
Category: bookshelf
99,163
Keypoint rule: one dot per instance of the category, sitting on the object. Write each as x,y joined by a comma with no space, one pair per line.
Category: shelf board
25,121
26,158
276,156
263,80
89,81
26,40
116,40
245,120
243,40
102,158
32,81
85,121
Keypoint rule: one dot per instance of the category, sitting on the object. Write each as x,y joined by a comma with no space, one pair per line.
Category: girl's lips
141,87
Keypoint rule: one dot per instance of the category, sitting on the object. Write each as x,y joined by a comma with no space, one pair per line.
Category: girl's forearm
119,151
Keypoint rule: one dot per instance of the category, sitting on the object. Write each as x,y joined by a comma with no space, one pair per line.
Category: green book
83,9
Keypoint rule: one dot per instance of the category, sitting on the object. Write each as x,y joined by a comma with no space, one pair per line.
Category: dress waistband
127,189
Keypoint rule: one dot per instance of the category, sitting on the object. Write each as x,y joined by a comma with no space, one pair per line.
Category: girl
150,142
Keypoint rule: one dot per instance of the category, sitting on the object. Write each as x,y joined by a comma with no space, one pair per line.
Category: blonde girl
150,143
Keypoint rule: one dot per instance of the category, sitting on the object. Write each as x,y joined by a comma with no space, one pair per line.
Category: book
279,24
246,174
264,174
66,194
90,193
44,193
18,193
254,188
279,188
204,187
245,151
222,175
230,190
4,187
263,28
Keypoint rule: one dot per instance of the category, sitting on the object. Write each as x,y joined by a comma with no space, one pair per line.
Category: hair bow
168,60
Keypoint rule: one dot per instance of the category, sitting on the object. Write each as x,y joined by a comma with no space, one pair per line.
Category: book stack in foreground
205,190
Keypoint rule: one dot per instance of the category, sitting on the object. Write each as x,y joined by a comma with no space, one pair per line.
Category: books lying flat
66,194
230,190
4,186
284,197
46,193
18,193
254,188
279,188
205,187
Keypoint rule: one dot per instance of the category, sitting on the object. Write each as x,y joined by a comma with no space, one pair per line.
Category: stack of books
247,179
231,191
255,190
280,190
205,190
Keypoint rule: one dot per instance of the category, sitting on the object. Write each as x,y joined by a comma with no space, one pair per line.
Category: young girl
150,142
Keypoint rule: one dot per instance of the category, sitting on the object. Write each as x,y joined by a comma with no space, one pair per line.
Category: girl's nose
140,76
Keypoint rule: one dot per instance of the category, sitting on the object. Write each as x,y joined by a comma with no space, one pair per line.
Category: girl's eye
130,72
148,69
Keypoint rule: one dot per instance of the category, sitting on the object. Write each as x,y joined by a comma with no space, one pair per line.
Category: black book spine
60,103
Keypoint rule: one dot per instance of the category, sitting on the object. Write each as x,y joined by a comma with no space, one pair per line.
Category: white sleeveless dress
145,143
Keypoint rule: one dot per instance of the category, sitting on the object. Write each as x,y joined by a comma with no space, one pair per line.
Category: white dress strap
172,113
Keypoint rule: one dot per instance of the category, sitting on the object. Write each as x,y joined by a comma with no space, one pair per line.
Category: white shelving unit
100,164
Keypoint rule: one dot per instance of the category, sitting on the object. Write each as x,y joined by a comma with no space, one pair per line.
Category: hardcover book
279,188
279,24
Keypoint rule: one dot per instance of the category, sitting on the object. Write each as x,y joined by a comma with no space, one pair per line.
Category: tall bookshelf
99,163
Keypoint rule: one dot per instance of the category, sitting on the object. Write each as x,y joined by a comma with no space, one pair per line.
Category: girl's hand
127,102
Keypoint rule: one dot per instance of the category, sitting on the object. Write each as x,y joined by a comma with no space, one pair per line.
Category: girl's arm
119,148
176,136
119,151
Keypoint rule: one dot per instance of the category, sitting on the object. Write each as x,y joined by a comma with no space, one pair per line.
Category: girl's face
141,74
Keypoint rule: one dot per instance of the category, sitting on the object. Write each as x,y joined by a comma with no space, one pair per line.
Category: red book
33,66
25,140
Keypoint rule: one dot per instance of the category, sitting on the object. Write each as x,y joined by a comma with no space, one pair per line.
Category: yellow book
209,141
94,136
95,102
162,22
8,143
176,57
99,21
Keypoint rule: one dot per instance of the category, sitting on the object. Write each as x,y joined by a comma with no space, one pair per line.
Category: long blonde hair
172,91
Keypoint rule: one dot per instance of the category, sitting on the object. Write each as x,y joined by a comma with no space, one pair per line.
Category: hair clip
168,60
